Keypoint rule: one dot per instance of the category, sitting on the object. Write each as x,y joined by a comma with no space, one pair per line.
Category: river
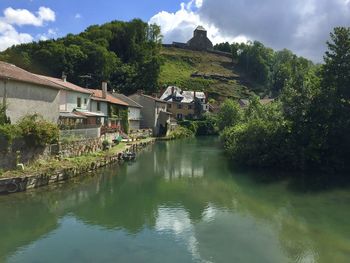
181,201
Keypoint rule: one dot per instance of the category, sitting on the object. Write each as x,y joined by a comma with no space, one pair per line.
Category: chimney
194,95
139,91
104,90
172,90
64,77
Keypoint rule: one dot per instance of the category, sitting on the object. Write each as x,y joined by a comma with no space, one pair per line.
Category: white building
134,111
25,93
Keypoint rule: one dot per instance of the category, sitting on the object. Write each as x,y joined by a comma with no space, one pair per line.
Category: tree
230,114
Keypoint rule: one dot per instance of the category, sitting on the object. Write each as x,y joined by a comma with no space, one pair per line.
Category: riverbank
43,173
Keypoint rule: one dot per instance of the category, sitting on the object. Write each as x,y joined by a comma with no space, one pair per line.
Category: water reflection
180,202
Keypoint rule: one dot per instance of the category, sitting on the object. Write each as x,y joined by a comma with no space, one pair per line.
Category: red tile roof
97,95
11,72
66,84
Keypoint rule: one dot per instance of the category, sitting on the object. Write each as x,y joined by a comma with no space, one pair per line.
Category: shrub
181,132
38,132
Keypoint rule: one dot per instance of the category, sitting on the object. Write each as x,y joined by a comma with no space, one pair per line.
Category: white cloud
77,16
300,25
24,17
179,26
18,17
50,34
9,36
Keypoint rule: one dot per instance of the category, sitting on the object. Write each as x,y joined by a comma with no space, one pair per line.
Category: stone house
25,93
185,104
134,111
154,114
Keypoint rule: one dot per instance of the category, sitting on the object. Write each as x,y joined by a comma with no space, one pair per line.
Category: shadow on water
299,182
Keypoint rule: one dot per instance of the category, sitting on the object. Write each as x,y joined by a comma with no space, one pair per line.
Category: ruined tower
200,41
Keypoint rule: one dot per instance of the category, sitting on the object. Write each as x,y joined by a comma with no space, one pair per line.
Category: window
190,107
179,106
85,101
78,102
179,116
98,106
169,106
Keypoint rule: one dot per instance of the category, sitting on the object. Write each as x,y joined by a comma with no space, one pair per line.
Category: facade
154,114
75,105
25,93
134,111
110,106
200,40
185,104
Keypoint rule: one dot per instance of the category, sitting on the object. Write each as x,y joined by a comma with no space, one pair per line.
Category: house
134,111
25,93
185,104
75,103
154,114
115,109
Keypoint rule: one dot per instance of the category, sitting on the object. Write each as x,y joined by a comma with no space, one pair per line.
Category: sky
302,26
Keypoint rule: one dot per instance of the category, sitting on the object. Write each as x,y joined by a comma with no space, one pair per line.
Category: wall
103,107
26,98
81,133
185,111
134,117
68,100
148,112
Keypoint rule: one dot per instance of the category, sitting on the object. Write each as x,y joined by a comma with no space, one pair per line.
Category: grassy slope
179,64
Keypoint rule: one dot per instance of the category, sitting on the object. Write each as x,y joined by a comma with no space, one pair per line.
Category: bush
38,132
181,132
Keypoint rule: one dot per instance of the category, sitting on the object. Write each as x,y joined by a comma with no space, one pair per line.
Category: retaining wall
23,183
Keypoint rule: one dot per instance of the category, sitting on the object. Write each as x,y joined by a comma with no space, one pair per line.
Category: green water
180,202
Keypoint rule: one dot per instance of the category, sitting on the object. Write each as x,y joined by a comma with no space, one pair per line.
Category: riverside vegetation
308,126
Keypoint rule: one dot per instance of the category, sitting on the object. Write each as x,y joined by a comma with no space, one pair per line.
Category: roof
182,96
71,115
152,98
66,84
12,72
98,96
126,99
89,113
201,28
246,102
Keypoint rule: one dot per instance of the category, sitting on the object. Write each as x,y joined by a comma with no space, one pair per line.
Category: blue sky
73,16
302,26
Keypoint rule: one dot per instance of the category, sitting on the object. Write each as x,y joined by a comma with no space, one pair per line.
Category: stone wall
20,150
24,183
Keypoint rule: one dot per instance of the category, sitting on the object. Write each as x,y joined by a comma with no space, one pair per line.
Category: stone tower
200,41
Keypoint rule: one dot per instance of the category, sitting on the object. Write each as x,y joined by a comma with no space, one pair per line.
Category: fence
90,133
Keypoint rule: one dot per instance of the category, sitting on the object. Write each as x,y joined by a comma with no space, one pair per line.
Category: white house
25,93
134,111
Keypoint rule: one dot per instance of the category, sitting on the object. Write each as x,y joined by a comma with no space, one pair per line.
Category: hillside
195,70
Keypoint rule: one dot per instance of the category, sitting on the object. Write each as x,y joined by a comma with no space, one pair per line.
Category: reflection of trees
130,198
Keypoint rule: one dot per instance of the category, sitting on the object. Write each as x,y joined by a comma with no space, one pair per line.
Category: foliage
229,115
36,131
125,53
3,118
180,132
309,127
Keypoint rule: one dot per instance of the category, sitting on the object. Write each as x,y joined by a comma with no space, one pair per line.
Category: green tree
230,114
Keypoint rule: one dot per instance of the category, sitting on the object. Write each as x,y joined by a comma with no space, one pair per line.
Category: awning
89,113
71,115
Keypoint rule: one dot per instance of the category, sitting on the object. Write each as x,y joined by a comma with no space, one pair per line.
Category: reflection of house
185,104
154,114
110,106
134,111
25,93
